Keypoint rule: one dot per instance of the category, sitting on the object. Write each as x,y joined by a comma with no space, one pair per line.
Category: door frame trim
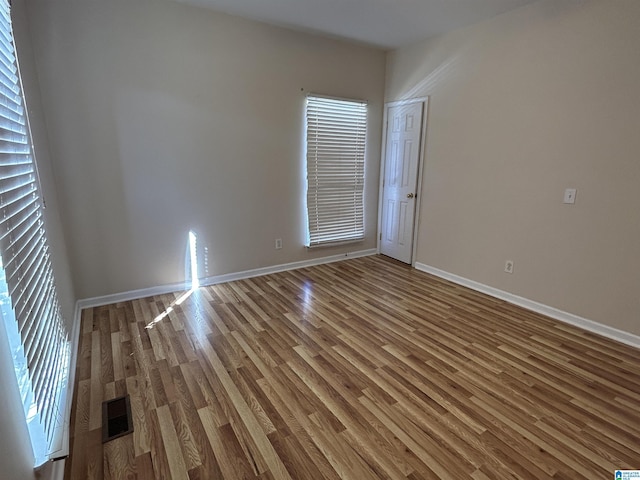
421,157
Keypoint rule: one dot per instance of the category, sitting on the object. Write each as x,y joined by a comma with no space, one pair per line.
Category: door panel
389,220
404,131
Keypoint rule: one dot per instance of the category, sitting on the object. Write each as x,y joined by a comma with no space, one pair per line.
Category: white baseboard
130,295
228,277
589,325
258,272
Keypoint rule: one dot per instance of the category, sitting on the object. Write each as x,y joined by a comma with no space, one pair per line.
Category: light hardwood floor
362,369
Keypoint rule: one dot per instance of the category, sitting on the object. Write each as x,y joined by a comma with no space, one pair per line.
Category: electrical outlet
508,266
278,243
570,196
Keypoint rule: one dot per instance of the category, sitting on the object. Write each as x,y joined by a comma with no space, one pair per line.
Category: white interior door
400,181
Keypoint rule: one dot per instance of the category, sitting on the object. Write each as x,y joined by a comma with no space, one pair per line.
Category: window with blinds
28,295
335,142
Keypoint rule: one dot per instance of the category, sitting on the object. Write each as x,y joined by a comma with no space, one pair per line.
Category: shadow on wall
438,76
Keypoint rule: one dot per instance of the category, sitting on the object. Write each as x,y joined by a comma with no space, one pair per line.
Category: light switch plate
570,195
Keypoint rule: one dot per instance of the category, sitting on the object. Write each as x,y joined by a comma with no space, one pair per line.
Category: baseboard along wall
228,277
565,317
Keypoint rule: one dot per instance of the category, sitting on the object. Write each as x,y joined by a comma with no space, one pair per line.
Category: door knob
410,195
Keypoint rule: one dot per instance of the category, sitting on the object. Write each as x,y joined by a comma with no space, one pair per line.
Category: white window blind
25,255
336,138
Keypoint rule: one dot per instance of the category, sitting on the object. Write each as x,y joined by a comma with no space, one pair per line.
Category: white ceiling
383,23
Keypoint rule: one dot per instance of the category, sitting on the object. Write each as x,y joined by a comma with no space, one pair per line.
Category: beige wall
164,117
522,107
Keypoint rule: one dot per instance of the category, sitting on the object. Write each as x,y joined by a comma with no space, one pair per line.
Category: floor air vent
116,418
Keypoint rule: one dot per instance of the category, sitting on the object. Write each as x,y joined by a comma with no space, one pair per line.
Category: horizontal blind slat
39,367
34,316
25,289
335,141
51,406
18,226
22,253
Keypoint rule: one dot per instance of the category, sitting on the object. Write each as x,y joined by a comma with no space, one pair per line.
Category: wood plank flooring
362,369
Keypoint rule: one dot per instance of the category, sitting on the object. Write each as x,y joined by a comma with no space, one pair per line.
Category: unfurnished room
320,239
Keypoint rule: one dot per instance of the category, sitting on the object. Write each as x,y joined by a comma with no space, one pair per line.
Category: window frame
37,331
336,131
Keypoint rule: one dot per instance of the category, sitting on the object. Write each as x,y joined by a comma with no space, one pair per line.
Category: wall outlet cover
570,196
508,266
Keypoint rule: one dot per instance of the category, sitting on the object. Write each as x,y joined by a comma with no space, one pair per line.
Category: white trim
57,470
589,325
419,187
340,99
74,341
257,272
383,159
396,103
334,244
228,277
59,456
131,295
